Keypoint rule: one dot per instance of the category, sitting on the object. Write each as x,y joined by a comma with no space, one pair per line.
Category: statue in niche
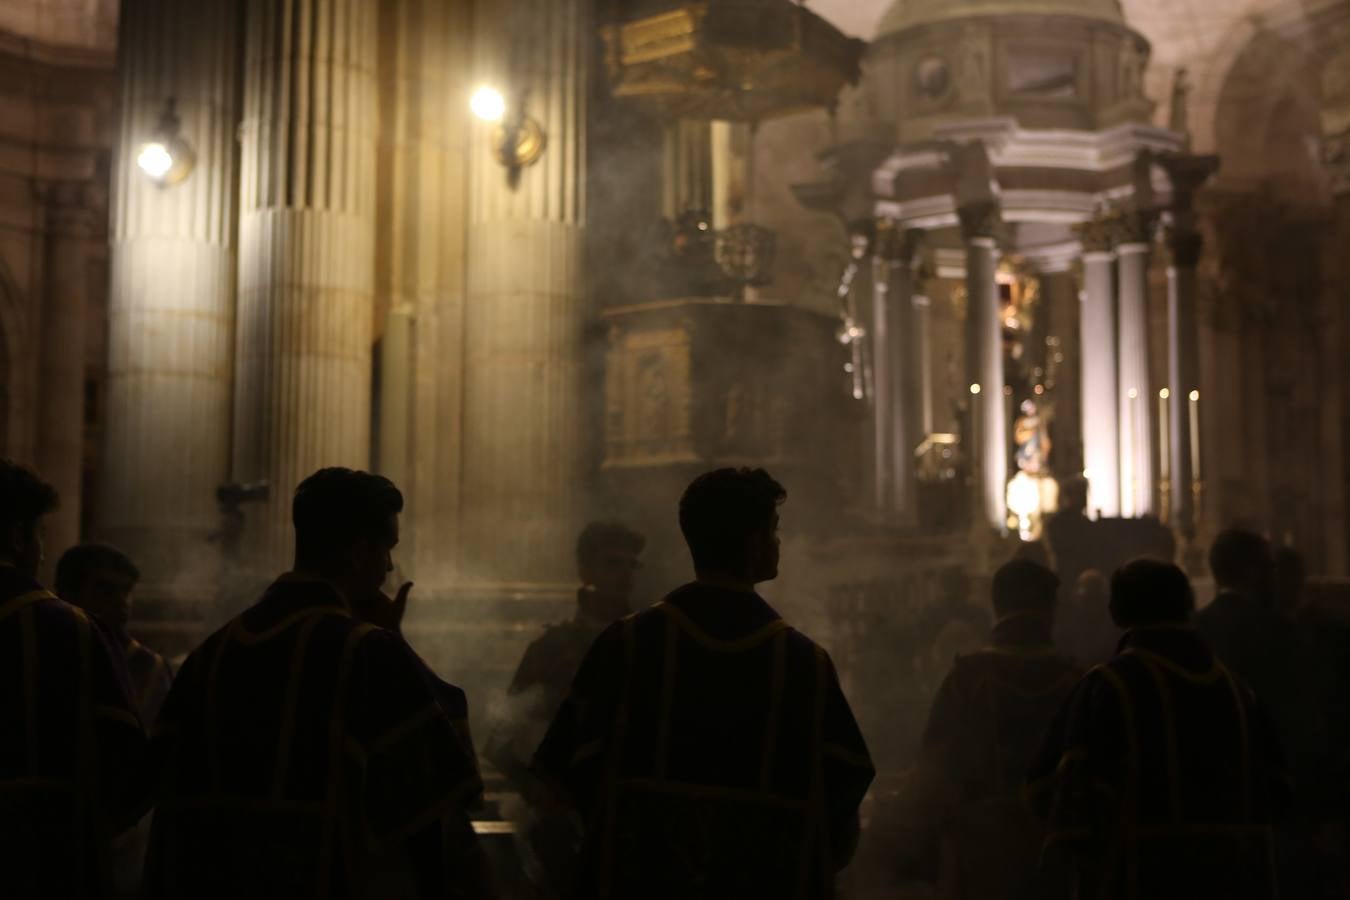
974,68
1131,71
1032,437
1180,117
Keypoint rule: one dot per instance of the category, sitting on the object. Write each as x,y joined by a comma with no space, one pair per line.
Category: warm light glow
1134,394
1040,389
975,389
155,160
1195,396
488,104
1164,394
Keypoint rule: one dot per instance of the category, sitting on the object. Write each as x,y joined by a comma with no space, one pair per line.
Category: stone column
1101,406
687,168
895,371
166,445
1187,174
1061,292
525,433
984,363
1135,395
425,70
306,251
60,410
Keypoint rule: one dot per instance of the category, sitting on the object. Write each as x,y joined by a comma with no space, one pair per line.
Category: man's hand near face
383,611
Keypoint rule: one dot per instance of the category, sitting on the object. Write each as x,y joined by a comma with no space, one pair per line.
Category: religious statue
1179,120
1032,438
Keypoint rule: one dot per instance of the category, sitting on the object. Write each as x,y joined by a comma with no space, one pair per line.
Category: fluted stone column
984,363
525,433
60,409
306,250
1135,395
166,445
1185,244
426,80
894,372
1101,406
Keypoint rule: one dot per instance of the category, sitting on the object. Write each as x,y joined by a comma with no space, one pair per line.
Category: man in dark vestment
986,724
71,744
1160,778
707,743
99,580
304,750
607,563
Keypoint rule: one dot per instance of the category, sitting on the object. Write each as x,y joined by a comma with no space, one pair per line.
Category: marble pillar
984,366
166,443
426,80
1135,398
1101,386
306,251
61,358
1185,244
526,434
895,374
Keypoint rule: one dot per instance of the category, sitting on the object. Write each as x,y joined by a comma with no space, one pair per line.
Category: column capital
1102,232
983,219
898,244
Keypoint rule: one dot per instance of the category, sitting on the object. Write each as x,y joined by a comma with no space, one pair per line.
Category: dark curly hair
723,508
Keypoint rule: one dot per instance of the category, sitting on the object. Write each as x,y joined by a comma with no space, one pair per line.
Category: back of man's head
1024,586
1242,561
24,499
1148,592
722,510
83,560
334,507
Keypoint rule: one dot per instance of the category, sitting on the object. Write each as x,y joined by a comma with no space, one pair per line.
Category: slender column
60,412
1064,359
307,248
904,378
525,432
425,74
166,445
1188,174
984,363
1101,407
1135,393
688,164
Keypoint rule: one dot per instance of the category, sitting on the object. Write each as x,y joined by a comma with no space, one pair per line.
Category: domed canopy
905,14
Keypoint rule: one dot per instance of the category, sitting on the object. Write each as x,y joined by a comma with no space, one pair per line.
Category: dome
905,14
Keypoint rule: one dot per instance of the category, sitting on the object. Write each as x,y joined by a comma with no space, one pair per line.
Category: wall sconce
166,158
517,140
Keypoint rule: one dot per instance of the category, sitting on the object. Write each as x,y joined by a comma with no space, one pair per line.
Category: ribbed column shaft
166,443
1135,398
1101,408
524,428
60,412
426,74
1184,374
306,249
902,318
985,368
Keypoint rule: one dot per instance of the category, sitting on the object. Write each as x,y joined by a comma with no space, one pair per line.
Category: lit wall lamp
517,140
166,158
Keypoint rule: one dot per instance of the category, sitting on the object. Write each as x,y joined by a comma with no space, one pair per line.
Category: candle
1195,437
1130,460
1165,454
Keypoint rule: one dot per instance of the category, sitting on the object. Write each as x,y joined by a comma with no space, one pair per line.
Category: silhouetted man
1085,630
100,580
1160,777
304,750
986,724
71,745
607,556
1263,646
707,742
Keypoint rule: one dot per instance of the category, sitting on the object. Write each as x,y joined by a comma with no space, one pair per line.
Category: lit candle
975,428
1130,460
1165,454
1195,437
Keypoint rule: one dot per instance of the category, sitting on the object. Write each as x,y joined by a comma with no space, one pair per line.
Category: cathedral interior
944,267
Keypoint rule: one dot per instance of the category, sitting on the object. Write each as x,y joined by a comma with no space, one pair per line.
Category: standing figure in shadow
305,750
1161,777
72,749
986,724
706,742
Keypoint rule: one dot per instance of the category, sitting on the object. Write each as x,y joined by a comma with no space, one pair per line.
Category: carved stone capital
980,220
899,245
1102,232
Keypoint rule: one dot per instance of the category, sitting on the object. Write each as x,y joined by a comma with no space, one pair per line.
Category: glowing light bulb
1195,396
1164,394
975,389
155,160
488,104
1134,394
